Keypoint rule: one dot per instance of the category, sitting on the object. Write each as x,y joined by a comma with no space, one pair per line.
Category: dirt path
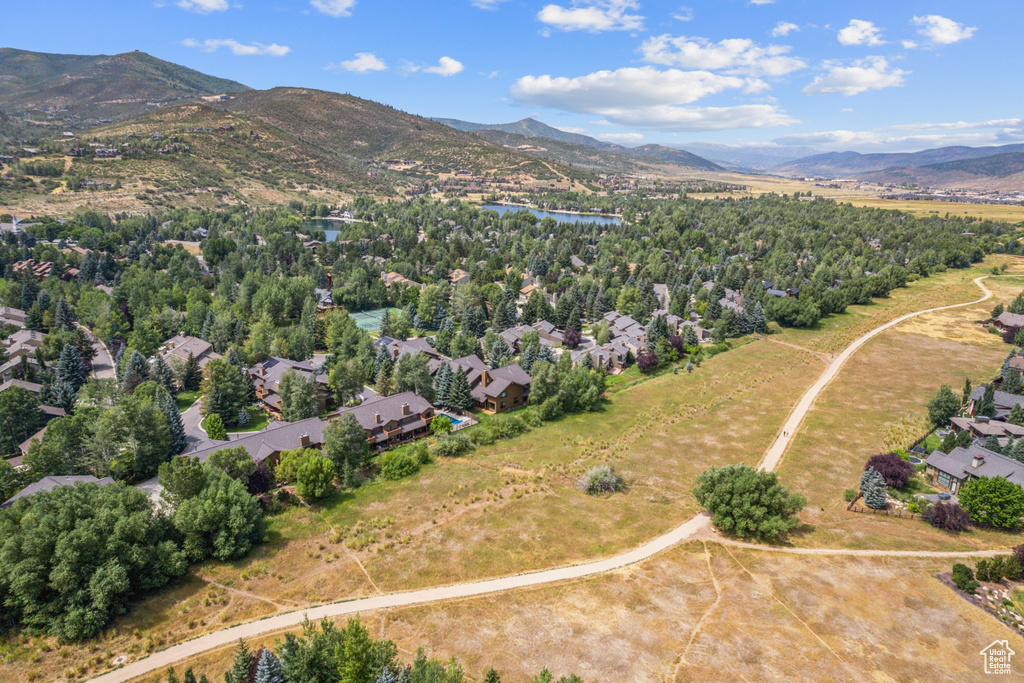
698,525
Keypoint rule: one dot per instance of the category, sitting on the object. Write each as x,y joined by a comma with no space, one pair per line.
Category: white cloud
860,32
881,139
446,66
872,73
784,28
203,6
571,129
334,8
486,4
735,55
684,13
909,44
648,98
237,48
620,138
942,31
762,2
364,62
960,125
593,15
643,86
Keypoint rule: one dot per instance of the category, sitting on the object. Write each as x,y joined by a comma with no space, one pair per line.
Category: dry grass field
513,506
707,612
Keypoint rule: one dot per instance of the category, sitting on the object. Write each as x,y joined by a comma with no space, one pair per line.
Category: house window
503,394
502,405
515,400
944,479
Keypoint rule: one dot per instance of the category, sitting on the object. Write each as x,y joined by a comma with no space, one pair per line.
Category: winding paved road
699,523
102,364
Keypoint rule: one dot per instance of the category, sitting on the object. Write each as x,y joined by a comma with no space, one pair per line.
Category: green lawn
257,421
186,399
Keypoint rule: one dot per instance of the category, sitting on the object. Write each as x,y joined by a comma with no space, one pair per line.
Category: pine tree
190,676
243,418
136,371
1018,451
1016,415
63,318
758,319
207,330
500,353
459,395
239,671
1007,450
191,374
70,368
268,670
118,365
967,390
528,358
873,488
385,379
442,381
171,676
169,408
992,444
161,373
492,676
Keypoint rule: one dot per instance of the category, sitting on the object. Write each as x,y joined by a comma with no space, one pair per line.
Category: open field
707,613
506,508
879,403
835,332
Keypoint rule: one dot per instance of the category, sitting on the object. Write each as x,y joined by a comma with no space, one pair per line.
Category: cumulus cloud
620,138
784,28
237,48
860,32
942,31
734,55
593,15
762,2
446,66
364,62
648,98
334,8
486,4
873,73
875,139
909,44
203,6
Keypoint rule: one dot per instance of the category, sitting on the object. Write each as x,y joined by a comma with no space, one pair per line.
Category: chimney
405,409
376,418
977,461
304,440
485,378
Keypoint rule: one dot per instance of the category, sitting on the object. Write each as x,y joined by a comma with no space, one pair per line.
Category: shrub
531,416
849,495
215,428
993,500
451,446
421,453
441,424
646,361
947,516
315,477
1018,552
914,508
894,470
774,328
396,465
507,426
746,502
550,408
963,577
601,479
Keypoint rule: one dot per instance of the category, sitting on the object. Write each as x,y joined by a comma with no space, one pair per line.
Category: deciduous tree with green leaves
993,500
748,503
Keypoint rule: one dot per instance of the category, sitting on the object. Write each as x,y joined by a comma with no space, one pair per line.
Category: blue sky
868,75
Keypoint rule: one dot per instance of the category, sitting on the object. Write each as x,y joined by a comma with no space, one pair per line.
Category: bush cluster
601,479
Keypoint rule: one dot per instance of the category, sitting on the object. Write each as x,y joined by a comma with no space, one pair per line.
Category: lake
322,224
560,216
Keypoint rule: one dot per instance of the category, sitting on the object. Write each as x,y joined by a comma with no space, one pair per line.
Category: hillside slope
534,137
853,163
1003,171
99,86
366,130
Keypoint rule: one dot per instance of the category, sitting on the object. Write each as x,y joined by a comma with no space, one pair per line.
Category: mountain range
534,137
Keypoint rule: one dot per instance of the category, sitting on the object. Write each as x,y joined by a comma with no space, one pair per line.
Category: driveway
935,498
190,419
102,364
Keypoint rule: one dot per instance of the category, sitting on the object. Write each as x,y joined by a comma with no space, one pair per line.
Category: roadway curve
700,524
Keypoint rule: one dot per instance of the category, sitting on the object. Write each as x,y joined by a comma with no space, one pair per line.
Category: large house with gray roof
950,471
266,377
51,483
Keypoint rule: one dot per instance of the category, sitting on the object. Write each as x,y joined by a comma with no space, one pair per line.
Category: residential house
12,368
394,278
1003,401
951,471
981,427
458,277
51,483
12,316
1008,321
398,348
494,390
325,300
176,350
40,269
266,376
27,386
23,343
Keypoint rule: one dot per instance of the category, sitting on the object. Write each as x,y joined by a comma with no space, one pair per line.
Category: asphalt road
103,363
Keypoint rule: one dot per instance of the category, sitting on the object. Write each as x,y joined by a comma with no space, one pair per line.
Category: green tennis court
369,321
